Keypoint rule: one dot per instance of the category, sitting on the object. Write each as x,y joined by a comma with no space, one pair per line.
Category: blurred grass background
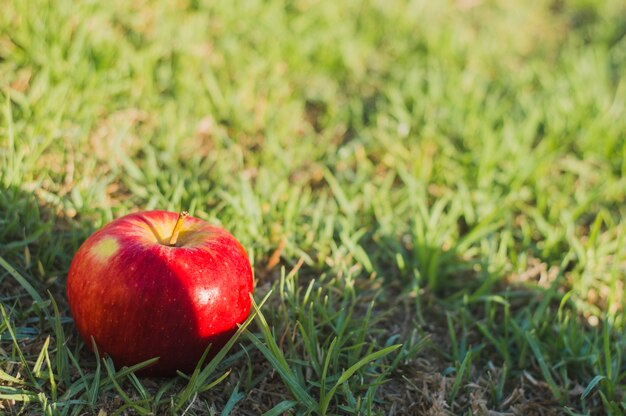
457,165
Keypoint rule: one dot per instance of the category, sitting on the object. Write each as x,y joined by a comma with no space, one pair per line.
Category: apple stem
177,227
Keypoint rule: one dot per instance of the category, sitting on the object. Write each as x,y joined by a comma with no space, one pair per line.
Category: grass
432,195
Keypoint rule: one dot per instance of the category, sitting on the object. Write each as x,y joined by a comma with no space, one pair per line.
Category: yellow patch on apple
105,248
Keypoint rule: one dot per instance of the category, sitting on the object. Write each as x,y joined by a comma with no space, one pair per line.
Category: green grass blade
16,345
592,384
215,382
545,370
9,378
277,362
460,376
345,376
235,397
92,393
62,362
281,408
19,397
41,357
108,365
21,280
329,354
51,376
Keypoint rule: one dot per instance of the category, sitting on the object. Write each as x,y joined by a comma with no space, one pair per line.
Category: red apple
159,284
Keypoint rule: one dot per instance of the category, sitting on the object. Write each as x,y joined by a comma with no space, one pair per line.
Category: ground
431,193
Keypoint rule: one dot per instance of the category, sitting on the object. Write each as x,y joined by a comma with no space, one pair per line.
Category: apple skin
140,298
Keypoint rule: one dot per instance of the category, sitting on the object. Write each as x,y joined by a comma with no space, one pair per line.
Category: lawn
432,194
